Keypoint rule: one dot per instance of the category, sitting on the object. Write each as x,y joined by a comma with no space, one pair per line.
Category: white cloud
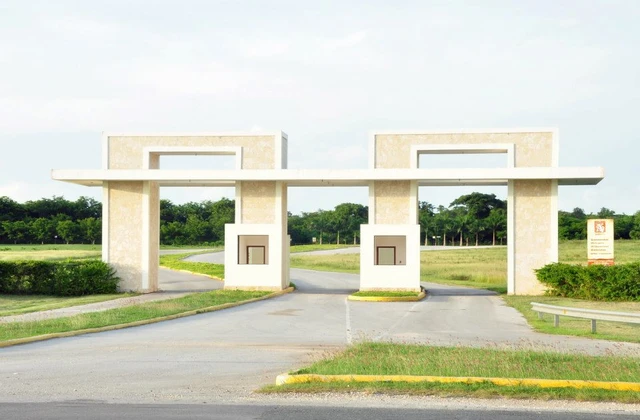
347,41
263,48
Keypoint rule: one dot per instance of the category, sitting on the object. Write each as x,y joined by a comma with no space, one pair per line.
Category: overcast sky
327,73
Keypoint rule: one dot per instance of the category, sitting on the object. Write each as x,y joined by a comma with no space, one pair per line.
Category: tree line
472,219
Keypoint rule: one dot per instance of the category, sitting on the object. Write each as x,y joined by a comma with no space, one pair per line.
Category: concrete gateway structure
257,244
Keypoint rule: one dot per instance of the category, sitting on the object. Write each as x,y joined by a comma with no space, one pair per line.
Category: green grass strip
397,359
580,327
126,315
174,262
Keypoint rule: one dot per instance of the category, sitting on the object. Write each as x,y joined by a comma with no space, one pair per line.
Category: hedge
57,278
595,282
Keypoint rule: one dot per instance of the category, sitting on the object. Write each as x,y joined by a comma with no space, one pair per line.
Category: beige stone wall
392,202
533,241
534,201
258,152
258,202
125,231
531,149
130,208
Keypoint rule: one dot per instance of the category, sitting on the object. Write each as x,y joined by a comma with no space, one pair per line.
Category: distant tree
497,219
220,213
299,231
605,213
479,205
68,231
623,224
347,218
475,227
578,213
635,231
10,210
16,231
43,230
195,229
426,213
90,228
87,207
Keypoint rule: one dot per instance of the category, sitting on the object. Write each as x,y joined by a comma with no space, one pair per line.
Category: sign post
600,241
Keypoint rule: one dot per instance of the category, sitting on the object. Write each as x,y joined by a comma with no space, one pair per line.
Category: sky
325,72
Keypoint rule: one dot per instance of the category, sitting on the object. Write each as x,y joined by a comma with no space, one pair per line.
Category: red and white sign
600,241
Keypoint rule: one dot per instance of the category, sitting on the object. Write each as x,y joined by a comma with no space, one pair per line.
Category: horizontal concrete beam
330,177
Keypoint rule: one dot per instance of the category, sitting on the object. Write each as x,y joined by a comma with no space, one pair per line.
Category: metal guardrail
593,315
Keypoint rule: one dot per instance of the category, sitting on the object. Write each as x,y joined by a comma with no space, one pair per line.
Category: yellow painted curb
191,272
420,296
26,340
542,383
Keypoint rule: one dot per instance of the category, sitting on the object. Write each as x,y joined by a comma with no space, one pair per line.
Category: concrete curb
286,379
417,298
26,340
191,272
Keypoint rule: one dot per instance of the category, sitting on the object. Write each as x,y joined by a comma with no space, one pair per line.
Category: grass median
175,262
397,359
148,311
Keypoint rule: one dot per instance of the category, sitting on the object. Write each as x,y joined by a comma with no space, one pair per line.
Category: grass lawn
22,304
616,331
174,262
146,311
48,252
396,359
317,247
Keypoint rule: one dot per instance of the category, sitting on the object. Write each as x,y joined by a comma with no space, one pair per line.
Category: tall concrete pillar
131,216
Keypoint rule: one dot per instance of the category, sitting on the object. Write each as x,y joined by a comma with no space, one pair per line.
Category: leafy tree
606,213
195,229
42,229
16,231
479,205
90,228
347,218
299,231
86,207
578,213
10,210
220,213
68,231
635,231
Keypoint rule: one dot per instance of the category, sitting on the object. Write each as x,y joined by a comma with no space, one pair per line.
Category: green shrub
57,278
595,282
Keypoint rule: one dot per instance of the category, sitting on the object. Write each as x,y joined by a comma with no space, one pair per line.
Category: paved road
277,412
